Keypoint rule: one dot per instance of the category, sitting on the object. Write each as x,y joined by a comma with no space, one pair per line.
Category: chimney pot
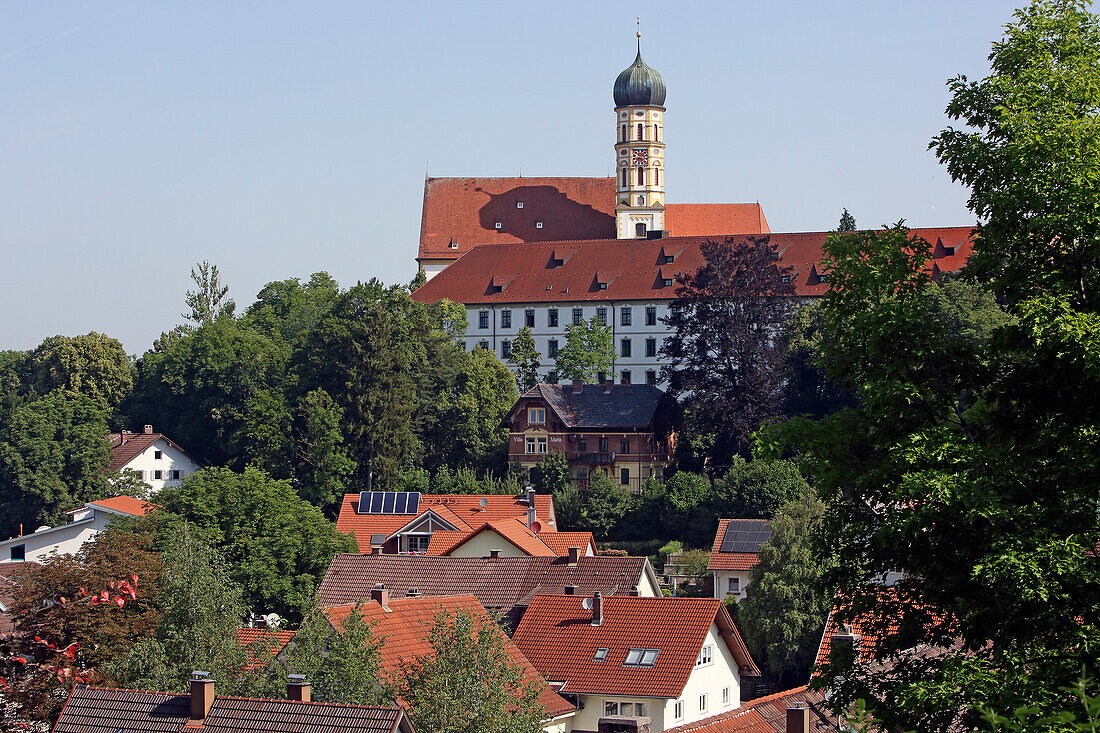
381,595
494,554
570,590
375,550
531,512
412,592
297,688
798,719
202,694
574,555
597,608
148,429
578,386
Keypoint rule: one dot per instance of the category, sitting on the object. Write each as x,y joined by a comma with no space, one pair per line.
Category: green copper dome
639,86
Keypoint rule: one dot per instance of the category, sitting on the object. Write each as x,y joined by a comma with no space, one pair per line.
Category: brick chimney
297,688
148,429
798,718
381,595
202,695
578,386
845,646
375,550
597,609
574,555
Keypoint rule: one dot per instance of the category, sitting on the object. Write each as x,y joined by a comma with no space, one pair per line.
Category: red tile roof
557,636
765,715
552,272
462,511
263,645
731,560
465,211
560,542
101,710
126,505
516,531
405,628
126,446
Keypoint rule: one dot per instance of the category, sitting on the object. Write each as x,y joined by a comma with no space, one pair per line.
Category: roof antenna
639,34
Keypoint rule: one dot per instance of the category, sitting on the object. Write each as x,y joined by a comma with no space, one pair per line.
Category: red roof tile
731,560
464,212
557,636
549,272
264,645
126,446
405,628
560,542
126,505
512,530
766,715
463,511
740,720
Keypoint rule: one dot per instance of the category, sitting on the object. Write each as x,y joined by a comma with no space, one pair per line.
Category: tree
757,489
688,512
468,430
288,309
551,474
723,359
1030,154
604,504
785,605
588,352
208,301
525,358
343,664
847,222
469,683
276,545
324,463
93,365
808,391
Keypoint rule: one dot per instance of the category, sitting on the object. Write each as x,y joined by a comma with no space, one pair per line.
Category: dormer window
498,225
538,225
519,204
786,278
668,282
641,657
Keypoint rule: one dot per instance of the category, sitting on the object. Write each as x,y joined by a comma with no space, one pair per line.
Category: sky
278,139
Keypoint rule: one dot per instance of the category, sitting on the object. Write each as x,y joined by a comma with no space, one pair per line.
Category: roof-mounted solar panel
413,507
745,536
376,502
389,502
399,502
377,540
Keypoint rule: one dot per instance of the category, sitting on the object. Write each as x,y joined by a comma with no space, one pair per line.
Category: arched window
640,133
656,176
656,132
624,178
641,176
639,229
622,134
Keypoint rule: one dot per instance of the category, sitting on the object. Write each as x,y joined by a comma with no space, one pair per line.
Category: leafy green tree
525,358
807,391
342,664
569,508
53,452
757,489
469,429
688,513
208,301
324,464
93,365
604,504
1029,152
722,358
551,474
277,545
847,222
785,606
589,351
290,309
469,683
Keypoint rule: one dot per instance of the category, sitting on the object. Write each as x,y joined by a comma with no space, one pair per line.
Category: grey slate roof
624,406
639,85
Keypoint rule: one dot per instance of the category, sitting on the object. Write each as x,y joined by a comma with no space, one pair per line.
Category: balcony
606,459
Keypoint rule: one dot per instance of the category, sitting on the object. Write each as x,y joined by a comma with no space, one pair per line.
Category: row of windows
640,131
704,704
625,348
626,316
159,475
641,177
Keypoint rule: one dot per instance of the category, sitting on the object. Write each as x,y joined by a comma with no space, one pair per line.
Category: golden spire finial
638,19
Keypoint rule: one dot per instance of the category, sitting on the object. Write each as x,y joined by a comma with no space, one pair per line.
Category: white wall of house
162,464
495,333
485,541
65,539
722,583
710,679
563,724
595,706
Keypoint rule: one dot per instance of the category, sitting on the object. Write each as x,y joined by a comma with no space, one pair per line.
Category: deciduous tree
343,664
208,301
525,359
588,352
93,365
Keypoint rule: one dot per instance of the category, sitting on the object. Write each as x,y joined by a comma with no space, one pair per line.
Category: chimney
634,591
597,608
570,590
531,513
578,386
297,688
607,386
574,555
148,429
381,595
202,694
375,550
494,554
845,646
412,592
798,718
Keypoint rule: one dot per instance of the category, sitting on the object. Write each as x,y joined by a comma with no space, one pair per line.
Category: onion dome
639,86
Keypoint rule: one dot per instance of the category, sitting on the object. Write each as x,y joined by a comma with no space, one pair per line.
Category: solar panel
399,502
744,535
389,502
378,539
376,502
414,503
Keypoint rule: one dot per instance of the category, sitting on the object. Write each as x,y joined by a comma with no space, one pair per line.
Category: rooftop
737,544
598,406
766,715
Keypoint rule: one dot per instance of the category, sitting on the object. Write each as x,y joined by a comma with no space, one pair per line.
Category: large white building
83,524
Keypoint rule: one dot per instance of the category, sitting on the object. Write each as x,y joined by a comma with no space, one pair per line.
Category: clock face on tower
640,156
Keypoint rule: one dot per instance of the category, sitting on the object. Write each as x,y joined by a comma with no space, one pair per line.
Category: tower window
622,134
641,134
641,182
624,178
639,229
656,176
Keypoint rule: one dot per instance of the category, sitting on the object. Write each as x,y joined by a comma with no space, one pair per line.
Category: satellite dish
483,502
586,604
536,527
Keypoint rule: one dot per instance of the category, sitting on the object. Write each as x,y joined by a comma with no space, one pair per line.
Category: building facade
155,458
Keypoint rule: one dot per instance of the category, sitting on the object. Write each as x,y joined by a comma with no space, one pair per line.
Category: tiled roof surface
508,583
542,544
405,628
100,710
460,510
126,505
556,634
126,446
765,715
560,542
871,631
550,272
465,211
625,406
731,560
263,645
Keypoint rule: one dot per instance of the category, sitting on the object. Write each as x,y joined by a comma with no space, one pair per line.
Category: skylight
601,653
641,657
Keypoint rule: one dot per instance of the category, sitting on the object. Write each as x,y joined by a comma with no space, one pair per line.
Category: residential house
263,645
624,430
500,584
630,661
509,538
83,525
398,521
103,710
736,551
404,625
800,710
155,459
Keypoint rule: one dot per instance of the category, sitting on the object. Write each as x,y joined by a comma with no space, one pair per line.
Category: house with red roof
154,457
263,645
404,625
800,710
510,538
398,521
83,524
736,551
631,660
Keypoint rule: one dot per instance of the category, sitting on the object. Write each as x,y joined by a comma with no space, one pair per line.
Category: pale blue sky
277,139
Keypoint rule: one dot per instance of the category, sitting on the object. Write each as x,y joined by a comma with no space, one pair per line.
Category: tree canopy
589,351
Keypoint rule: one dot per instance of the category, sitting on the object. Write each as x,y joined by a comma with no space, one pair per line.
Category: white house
736,551
153,456
83,525
628,660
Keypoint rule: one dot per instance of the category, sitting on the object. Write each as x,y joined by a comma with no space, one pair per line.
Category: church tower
639,150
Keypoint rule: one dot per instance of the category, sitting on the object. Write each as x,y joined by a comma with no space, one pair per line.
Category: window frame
678,710
651,315
536,415
529,318
506,318
706,656
703,702
625,315
505,348
601,316
552,348
625,348
578,316
552,318
651,346
483,319
530,445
